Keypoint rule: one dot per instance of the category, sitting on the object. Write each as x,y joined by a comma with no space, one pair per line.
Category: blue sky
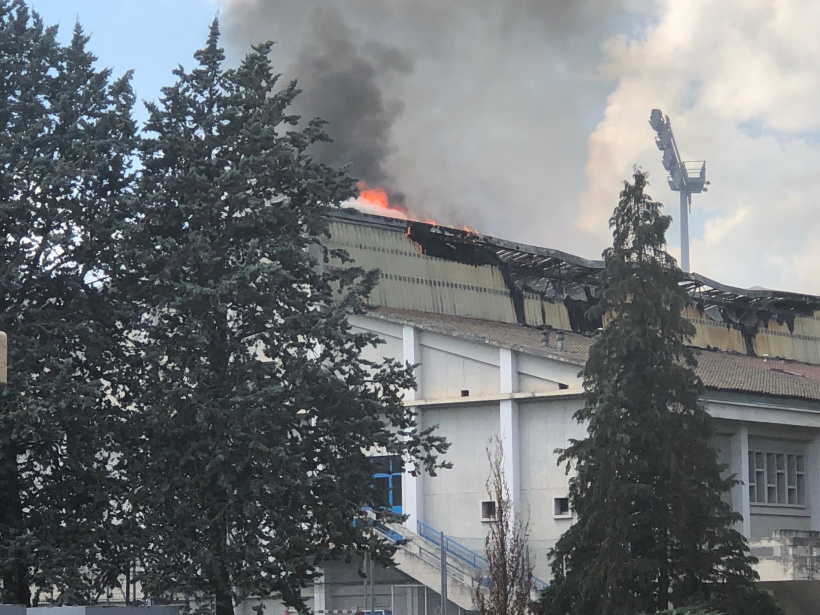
149,36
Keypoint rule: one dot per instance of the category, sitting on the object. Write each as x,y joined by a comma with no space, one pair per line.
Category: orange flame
379,199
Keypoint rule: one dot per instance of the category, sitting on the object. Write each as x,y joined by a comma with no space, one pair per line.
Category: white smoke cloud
741,81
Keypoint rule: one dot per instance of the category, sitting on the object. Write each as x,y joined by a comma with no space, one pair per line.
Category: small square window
488,510
560,507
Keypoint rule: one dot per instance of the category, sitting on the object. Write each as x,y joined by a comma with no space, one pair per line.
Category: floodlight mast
688,178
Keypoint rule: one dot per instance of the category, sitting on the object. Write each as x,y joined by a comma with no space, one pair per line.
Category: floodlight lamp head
656,119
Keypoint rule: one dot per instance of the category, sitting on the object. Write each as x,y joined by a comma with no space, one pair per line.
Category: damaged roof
543,269
720,371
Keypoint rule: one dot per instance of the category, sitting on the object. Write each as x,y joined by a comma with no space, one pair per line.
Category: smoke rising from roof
454,104
521,118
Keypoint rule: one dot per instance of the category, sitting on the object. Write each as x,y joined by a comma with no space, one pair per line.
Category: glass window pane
771,469
781,461
799,463
381,492
396,464
759,461
781,488
792,471
760,481
751,466
801,489
381,465
397,491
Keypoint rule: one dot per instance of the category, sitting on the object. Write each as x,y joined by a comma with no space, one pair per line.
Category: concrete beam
413,502
510,431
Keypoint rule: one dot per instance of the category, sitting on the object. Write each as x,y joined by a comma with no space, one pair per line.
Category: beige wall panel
381,327
545,426
532,310
412,280
447,374
777,340
538,311
555,371
777,346
716,335
531,384
472,350
762,525
452,500
808,325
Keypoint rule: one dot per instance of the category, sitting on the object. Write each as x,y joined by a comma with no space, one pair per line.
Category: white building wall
546,425
451,366
452,500
535,369
390,332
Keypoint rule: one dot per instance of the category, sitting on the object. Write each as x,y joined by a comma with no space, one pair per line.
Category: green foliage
66,138
652,526
255,408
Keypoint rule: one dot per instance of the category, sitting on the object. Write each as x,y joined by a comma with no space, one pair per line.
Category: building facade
499,335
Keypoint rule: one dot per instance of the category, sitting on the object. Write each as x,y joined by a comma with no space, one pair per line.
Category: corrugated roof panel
710,334
479,276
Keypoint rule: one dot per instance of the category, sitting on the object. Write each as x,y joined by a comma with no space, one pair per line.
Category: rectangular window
560,507
488,510
387,482
777,478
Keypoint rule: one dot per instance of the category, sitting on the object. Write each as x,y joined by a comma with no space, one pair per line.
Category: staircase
420,558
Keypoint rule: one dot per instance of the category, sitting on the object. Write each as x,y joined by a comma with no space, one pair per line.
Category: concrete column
319,594
508,414
812,468
740,466
413,502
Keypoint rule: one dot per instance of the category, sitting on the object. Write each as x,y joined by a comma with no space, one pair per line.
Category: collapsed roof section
753,321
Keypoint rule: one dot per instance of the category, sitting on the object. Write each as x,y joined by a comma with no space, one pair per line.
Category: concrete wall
450,366
452,500
544,427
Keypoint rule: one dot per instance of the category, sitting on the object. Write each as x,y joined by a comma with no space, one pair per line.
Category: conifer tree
66,139
255,408
652,529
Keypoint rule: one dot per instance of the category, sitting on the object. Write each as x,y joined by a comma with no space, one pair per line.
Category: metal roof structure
544,270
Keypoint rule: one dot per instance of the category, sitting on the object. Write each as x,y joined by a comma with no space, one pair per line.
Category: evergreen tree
255,406
66,139
653,528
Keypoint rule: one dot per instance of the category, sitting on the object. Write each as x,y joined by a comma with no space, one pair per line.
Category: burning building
499,332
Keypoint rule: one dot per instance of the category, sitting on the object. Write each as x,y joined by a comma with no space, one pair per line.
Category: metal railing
468,556
452,547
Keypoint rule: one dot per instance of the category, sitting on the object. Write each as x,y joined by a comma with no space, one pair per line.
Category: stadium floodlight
686,177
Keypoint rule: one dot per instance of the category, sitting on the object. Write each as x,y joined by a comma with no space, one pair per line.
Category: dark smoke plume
477,110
